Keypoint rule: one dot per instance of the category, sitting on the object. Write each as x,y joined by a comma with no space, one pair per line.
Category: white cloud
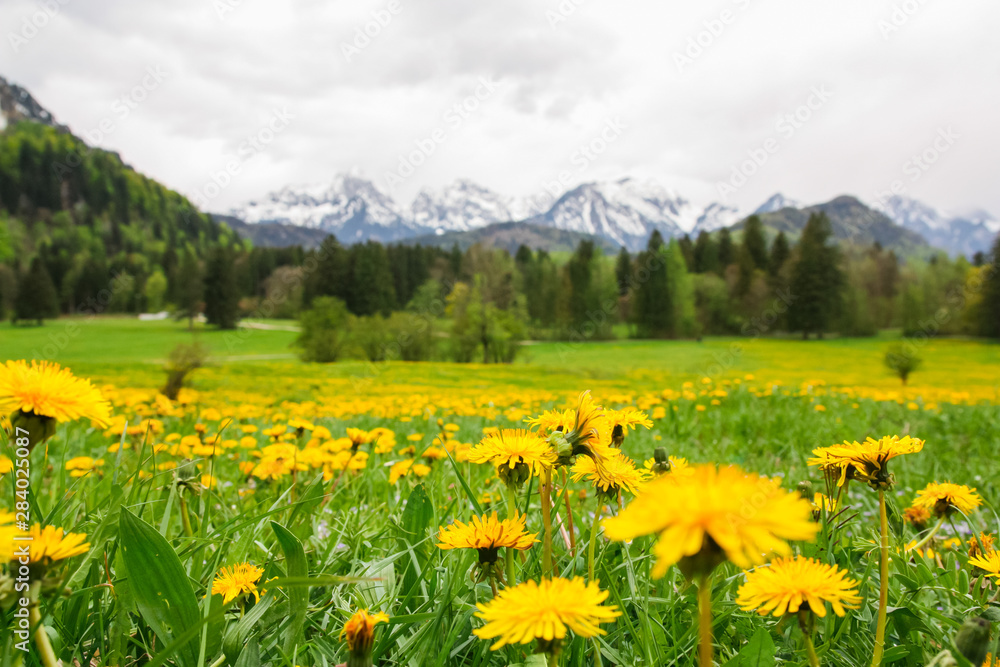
560,82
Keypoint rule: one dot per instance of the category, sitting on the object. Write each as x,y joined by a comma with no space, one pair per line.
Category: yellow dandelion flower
82,465
551,421
237,580
822,502
545,611
864,460
944,498
47,390
675,465
618,472
622,420
6,465
517,454
917,516
714,514
784,585
407,467
46,545
977,546
989,563
358,437
486,535
359,631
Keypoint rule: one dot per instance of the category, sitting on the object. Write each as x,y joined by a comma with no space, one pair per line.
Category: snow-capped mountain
959,234
628,210
625,211
16,104
776,202
465,205
350,207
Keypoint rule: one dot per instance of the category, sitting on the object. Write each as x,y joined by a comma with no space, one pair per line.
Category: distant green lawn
124,340
105,347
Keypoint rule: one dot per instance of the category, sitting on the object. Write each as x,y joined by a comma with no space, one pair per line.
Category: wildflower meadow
492,521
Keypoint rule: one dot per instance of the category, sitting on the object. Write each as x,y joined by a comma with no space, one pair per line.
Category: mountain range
621,212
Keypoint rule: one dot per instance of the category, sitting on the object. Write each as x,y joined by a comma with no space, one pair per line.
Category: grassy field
253,464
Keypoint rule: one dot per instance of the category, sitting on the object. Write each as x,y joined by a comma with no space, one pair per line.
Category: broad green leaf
417,514
298,596
250,655
159,585
759,652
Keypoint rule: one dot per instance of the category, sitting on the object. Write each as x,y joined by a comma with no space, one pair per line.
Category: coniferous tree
989,307
780,252
816,279
36,294
623,271
189,288
330,277
754,242
727,251
221,293
371,288
654,310
687,247
706,254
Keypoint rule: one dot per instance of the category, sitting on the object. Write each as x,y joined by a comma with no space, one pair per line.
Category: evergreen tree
706,254
330,277
654,310
371,288
189,288
623,271
745,266
221,294
687,247
727,251
816,279
780,252
681,291
36,295
989,307
754,242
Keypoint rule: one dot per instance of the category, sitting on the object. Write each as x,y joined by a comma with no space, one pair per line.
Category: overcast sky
683,93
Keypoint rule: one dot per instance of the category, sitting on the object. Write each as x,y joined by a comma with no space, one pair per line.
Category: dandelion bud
359,632
973,639
39,427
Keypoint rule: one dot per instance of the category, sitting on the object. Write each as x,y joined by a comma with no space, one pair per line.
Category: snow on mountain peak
776,202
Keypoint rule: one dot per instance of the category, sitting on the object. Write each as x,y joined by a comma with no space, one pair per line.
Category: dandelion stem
546,495
220,661
592,548
705,620
929,536
569,516
45,652
883,594
185,517
811,652
511,513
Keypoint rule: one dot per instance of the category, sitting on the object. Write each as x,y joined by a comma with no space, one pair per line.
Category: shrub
324,330
902,359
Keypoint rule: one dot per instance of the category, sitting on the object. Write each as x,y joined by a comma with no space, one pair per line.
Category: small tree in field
325,330
183,359
902,360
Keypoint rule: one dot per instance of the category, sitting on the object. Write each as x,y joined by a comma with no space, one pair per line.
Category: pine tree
727,252
754,242
189,288
780,253
654,310
330,277
371,289
816,279
989,307
706,254
687,247
36,295
623,271
221,294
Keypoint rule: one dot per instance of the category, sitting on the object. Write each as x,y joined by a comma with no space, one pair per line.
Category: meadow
329,486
